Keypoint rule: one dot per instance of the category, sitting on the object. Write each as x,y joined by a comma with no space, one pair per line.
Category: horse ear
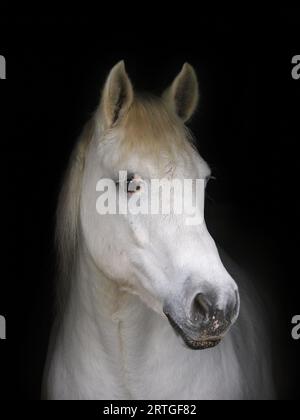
183,94
117,95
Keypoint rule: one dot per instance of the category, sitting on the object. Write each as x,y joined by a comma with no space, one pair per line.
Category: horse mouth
199,344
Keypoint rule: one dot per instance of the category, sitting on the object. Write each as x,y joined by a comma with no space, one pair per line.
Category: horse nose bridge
212,275
218,275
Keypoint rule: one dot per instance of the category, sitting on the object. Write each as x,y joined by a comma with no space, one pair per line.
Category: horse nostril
201,307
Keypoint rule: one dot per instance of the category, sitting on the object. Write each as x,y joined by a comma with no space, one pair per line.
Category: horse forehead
177,161
164,167
191,165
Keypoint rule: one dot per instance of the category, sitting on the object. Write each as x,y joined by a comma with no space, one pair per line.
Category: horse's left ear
117,95
183,94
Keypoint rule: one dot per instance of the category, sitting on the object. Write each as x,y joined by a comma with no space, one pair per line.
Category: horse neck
92,292
98,305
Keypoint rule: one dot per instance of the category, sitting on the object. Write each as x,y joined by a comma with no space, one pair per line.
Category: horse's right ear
183,94
117,95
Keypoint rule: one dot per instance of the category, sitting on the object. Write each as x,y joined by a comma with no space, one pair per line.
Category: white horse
146,306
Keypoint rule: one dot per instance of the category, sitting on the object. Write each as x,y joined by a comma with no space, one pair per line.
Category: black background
247,128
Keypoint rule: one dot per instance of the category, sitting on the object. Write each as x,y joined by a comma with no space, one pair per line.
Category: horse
146,307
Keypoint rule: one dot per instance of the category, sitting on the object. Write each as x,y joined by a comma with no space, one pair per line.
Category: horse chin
202,344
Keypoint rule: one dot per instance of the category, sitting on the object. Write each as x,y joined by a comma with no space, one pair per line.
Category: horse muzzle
205,323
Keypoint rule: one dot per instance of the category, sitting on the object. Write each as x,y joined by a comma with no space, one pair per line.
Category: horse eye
132,184
130,178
